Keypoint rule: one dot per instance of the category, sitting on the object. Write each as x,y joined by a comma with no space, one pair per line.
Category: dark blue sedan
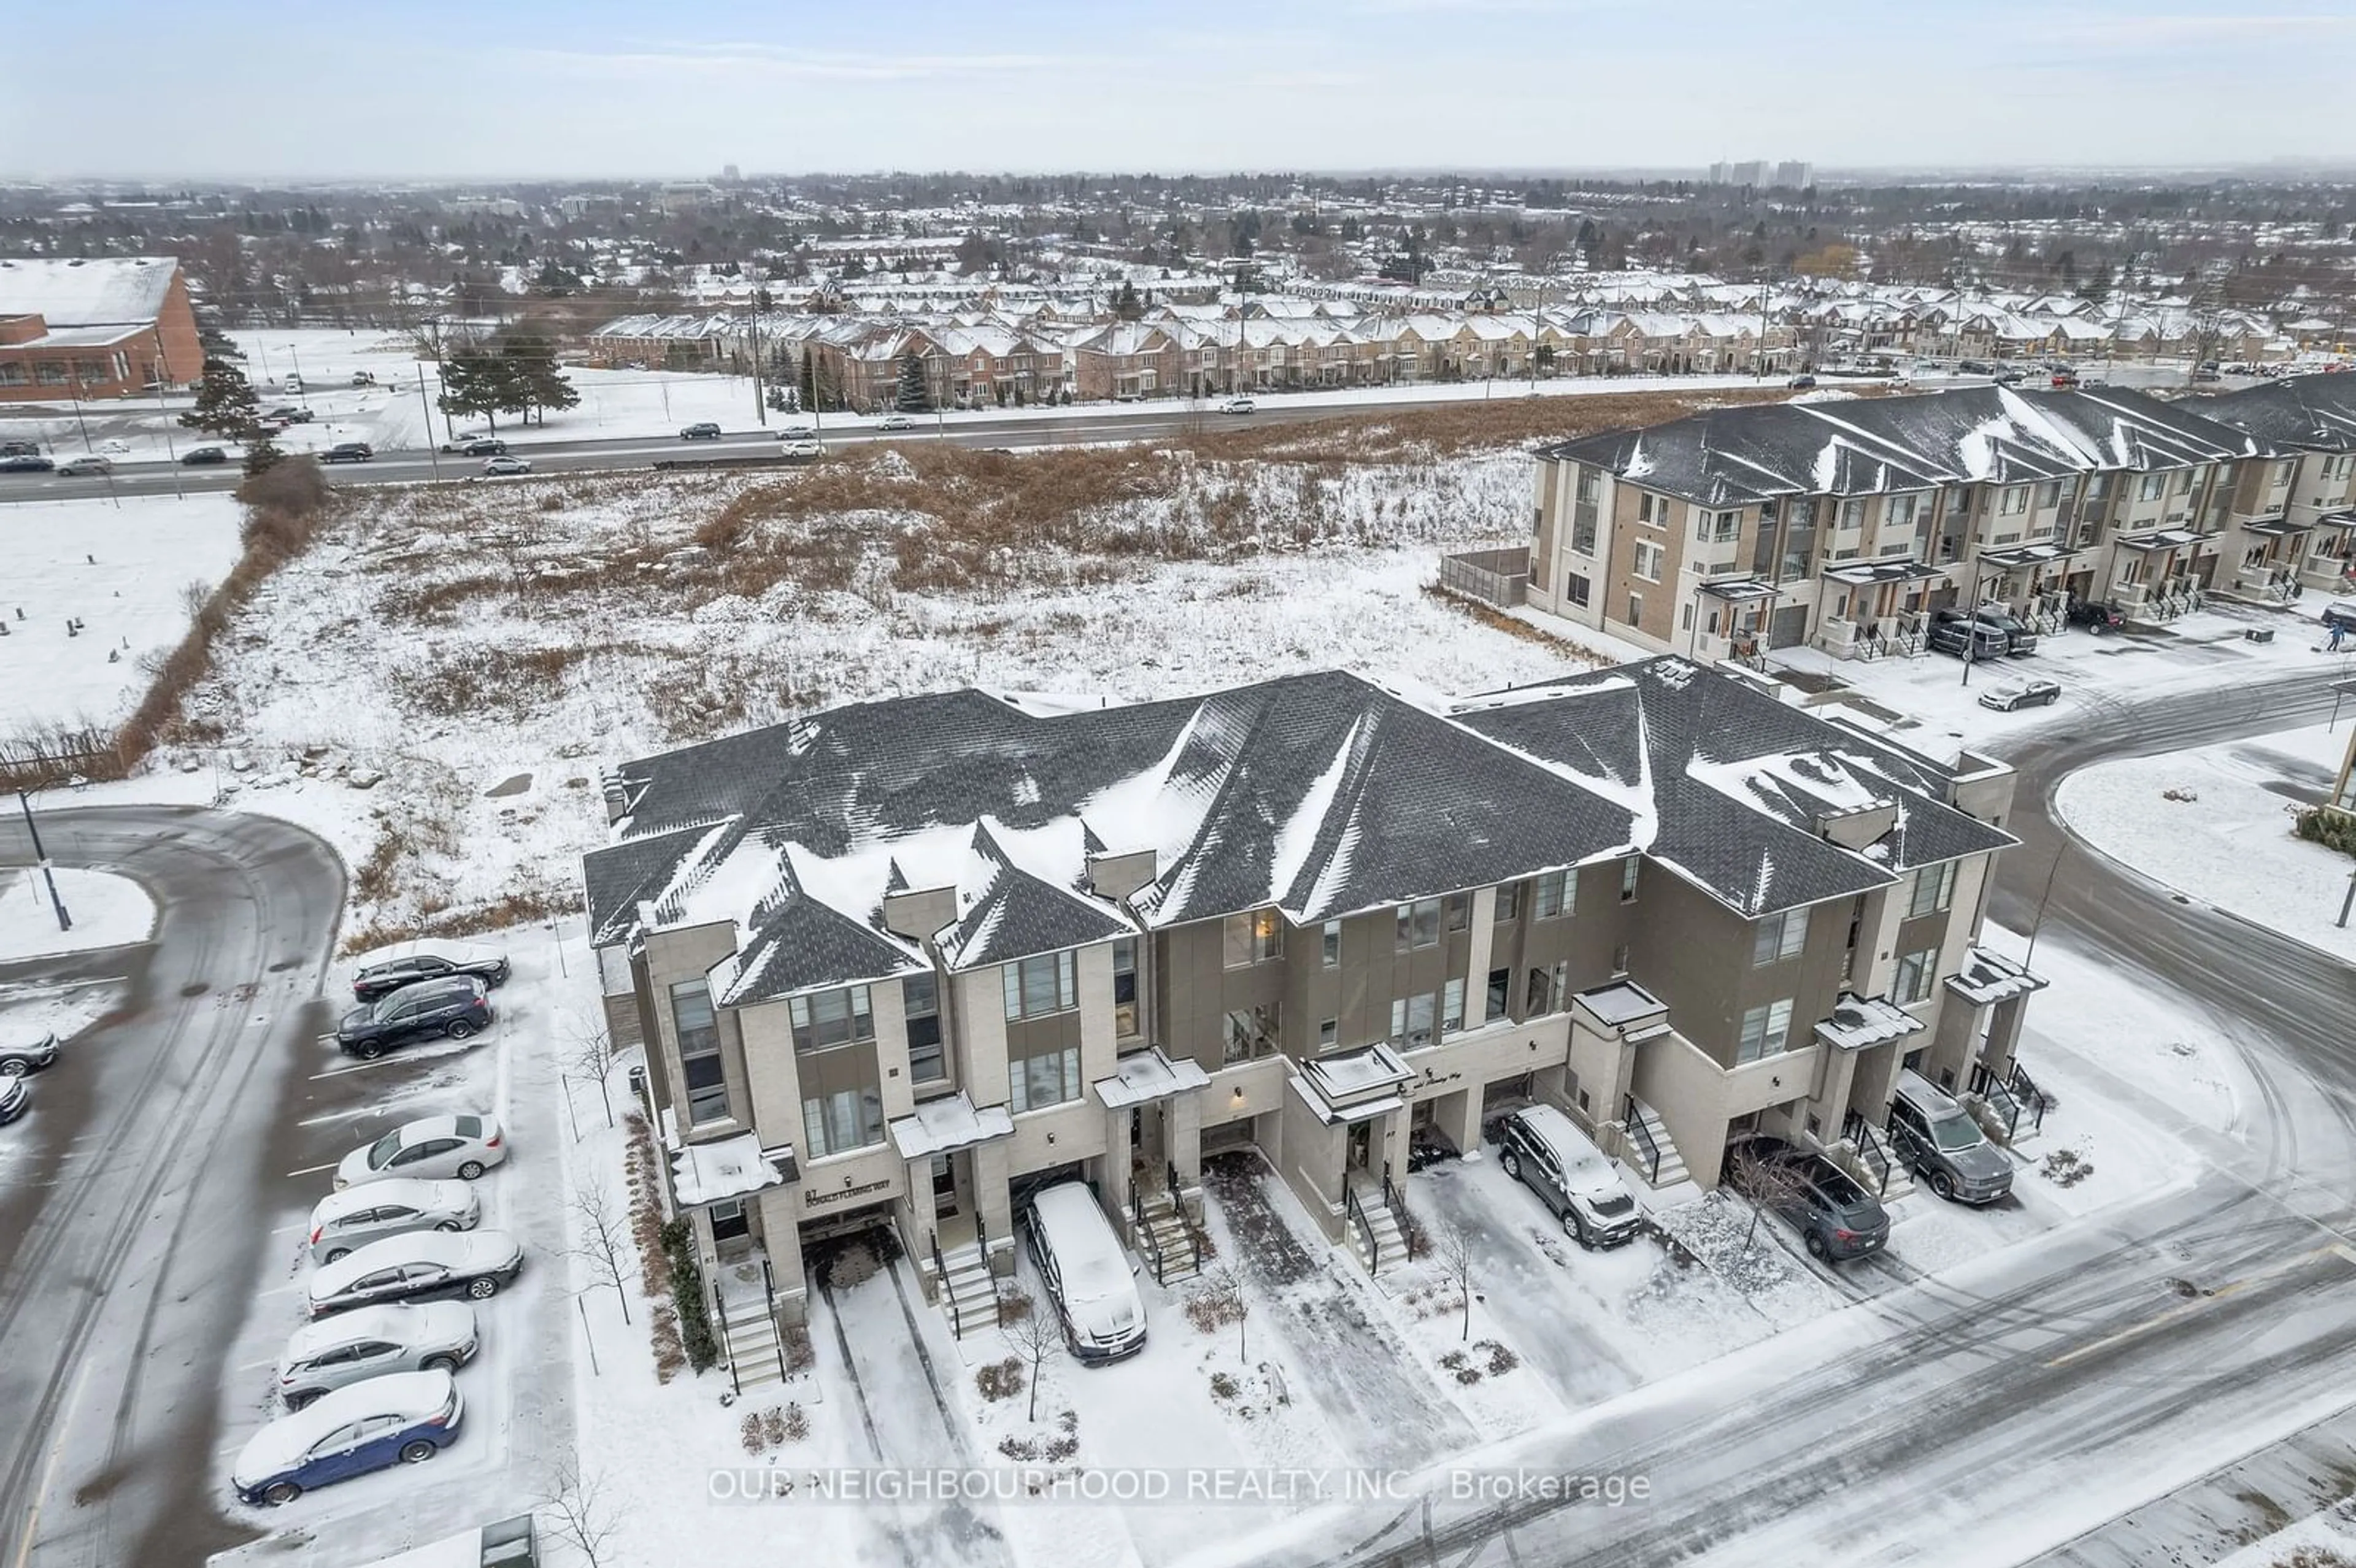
405,1418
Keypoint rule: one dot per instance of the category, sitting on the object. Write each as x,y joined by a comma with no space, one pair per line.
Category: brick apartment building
899,962
99,328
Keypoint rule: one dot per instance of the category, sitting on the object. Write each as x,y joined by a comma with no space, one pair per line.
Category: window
1500,985
2014,499
1557,893
825,1019
1931,890
920,1000
1452,1007
1328,1031
843,1120
1901,512
1852,513
1644,508
1628,880
1419,924
1648,562
1764,1030
1548,991
2184,478
1458,908
1589,486
1780,936
1916,974
50,373
2151,487
1254,937
1124,987
1050,1078
1509,903
1332,945
1717,527
1411,1019
2051,495
1250,1032
1635,609
1036,988
699,1052
1575,588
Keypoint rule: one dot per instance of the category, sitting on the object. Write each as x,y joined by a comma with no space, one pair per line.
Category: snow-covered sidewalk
106,910
2213,825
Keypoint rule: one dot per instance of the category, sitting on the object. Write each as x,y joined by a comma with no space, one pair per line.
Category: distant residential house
664,342
1127,359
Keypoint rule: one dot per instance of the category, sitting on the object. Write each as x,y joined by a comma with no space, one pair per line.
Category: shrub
687,1293
795,1423
295,486
752,1438
1223,1386
999,1379
2321,825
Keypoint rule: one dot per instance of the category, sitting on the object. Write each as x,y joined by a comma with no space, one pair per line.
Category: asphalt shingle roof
2308,414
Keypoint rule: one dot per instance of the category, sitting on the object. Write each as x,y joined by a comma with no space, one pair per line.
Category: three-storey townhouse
900,963
2297,528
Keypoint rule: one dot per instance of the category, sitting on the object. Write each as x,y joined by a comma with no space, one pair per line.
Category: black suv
25,463
349,452
202,457
1836,1217
706,431
456,1009
381,979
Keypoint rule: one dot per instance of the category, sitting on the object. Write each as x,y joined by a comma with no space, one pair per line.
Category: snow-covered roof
728,1167
1857,1023
1340,1080
1988,977
284,1443
112,291
1143,1076
1734,456
1620,1002
951,1122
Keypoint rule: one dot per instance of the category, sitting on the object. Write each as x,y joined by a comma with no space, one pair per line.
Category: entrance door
732,1227
1359,1147
944,1186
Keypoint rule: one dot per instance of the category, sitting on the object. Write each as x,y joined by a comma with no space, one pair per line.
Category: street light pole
41,858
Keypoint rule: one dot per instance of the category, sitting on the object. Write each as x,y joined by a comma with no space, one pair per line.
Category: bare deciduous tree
584,1518
604,1242
584,1061
1764,1182
1455,1249
1225,1285
1030,1334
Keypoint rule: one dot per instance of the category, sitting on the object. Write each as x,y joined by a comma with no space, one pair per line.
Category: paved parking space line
315,1169
342,1116
256,1366
354,1067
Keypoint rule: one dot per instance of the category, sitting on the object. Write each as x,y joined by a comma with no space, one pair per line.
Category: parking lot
517,1389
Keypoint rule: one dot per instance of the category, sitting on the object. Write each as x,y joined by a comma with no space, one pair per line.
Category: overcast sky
606,88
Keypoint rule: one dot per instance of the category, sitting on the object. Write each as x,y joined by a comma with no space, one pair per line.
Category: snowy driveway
1351,1364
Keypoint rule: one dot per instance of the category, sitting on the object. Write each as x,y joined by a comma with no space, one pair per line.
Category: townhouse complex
900,963
1845,525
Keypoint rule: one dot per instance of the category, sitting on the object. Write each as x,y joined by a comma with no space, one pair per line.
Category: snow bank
107,910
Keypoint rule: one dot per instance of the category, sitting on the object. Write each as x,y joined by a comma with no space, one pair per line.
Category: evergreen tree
475,382
912,398
531,377
226,408
1126,305
809,381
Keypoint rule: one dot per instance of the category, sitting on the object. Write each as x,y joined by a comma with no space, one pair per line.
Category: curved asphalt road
127,1251
1972,1418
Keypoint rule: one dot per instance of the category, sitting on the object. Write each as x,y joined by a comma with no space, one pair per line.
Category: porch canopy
948,1124
1867,573
2024,556
1988,977
2336,521
704,1174
1351,1085
1741,589
2275,527
1144,1076
2165,539
1861,1022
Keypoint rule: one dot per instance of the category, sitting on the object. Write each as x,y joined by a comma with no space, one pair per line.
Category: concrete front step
1673,1170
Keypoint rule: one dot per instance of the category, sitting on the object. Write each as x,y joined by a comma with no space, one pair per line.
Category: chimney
1117,874
617,797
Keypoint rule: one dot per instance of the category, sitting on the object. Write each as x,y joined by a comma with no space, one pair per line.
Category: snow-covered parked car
431,1147
373,1342
1087,1273
425,1265
1542,1149
14,1099
27,1053
404,1419
374,1209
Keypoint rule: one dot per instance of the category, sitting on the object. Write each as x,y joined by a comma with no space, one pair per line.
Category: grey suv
1544,1149
1836,1217
2020,637
1941,1144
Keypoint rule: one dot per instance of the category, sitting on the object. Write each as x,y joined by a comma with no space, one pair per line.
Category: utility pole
432,454
760,406
41,858
170,454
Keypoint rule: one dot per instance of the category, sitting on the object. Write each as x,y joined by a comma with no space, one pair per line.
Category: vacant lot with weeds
456,638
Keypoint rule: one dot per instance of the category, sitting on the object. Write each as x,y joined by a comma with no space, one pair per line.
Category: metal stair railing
1632,1118
1357,1215
948,1296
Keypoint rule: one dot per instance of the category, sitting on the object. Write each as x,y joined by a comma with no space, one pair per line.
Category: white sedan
432,1148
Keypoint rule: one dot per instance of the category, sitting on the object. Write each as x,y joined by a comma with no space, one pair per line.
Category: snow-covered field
2214,823
123,573
104,911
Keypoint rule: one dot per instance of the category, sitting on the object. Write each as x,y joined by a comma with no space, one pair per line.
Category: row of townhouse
1844,526
900,963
